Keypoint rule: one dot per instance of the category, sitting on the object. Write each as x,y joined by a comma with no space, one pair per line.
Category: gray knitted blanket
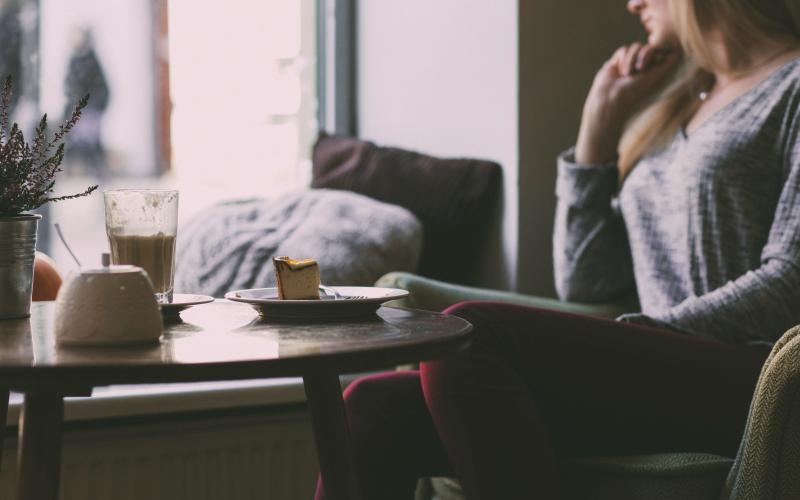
355,239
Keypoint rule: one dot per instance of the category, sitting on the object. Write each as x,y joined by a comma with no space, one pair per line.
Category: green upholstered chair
768,463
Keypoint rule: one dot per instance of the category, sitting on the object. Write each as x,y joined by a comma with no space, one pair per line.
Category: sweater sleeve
764,302
592,257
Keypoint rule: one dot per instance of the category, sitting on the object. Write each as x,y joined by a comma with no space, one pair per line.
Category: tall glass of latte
142,225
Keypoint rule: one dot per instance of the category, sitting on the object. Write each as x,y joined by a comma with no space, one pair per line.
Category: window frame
336,66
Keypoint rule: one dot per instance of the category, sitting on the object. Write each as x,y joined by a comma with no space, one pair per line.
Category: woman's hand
620,88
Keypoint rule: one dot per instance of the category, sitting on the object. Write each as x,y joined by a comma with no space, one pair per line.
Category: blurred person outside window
85,76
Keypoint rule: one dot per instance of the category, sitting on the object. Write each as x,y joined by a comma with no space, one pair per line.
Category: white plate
181,301
355,301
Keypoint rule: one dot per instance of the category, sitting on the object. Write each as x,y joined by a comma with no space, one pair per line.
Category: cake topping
296,264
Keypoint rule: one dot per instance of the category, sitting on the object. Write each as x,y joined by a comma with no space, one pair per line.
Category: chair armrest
769,456
436,295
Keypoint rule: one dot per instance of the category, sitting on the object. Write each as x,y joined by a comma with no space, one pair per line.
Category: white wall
440,76
499,79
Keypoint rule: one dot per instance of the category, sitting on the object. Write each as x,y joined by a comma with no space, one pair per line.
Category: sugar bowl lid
108,268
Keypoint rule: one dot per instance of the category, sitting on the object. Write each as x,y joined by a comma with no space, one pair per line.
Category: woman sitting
699,214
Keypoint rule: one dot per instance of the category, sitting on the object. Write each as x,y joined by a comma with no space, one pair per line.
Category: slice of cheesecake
297,279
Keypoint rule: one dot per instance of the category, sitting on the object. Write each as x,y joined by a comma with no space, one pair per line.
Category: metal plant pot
17,250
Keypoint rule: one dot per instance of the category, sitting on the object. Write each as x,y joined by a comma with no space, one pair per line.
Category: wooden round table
218,341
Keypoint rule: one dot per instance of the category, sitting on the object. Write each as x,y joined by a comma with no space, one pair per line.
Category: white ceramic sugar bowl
107,305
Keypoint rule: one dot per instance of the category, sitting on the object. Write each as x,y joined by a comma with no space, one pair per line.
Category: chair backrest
768,463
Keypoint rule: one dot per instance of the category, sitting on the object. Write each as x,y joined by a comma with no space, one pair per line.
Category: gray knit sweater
706,230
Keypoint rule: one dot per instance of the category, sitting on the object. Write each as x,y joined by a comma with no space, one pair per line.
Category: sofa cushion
454,198
355,239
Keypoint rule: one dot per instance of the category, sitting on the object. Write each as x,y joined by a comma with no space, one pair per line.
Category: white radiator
264,457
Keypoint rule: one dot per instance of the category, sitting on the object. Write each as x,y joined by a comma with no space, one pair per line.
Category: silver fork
338,296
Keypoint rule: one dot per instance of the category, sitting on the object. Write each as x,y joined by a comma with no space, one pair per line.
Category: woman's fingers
617,58
635,58
662,67
644,58
665,61
629,61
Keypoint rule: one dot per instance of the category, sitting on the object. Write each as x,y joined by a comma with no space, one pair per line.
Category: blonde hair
659,121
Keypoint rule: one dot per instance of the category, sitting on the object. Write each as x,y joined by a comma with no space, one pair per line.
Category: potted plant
27,177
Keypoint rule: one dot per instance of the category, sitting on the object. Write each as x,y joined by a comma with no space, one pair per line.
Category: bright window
216,99
244,94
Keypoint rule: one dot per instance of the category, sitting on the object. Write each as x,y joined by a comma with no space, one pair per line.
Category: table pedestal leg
332,435
39,458
3,417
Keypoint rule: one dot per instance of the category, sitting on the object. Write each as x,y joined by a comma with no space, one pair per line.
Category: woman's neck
745,60
738,71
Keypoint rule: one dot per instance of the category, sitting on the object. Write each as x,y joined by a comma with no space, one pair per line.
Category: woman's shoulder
785,80
774,97
778,97
782,107
790,71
